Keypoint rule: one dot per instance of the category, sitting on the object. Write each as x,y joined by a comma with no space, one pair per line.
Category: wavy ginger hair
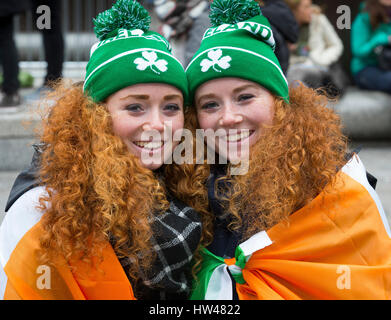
296,157
96,190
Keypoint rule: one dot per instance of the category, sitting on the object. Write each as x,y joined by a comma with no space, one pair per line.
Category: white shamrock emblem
150,60
216,59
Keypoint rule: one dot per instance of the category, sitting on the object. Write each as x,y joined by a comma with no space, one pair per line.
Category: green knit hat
239,44
128,53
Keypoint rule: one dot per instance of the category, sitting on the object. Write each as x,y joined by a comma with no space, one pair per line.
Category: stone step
19,125
17,133
365,114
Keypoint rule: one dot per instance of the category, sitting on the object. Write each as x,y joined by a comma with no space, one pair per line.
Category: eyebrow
246,86
172,97
146,97
236,90
205,96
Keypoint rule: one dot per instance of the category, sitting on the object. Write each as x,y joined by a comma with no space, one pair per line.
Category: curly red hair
96,190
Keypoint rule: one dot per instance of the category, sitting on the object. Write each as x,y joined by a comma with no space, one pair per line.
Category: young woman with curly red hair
100,223
302,222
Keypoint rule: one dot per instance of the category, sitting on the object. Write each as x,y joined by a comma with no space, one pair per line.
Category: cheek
207,121
177,124
264,115
124,127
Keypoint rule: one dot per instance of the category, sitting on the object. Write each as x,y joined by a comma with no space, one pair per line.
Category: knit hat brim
134,61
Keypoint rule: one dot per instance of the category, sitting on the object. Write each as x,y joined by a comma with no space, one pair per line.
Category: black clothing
53,40
8,51
11,7
8,56
224,241
27,179
284,26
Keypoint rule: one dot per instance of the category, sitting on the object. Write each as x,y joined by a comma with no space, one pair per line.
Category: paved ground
376,157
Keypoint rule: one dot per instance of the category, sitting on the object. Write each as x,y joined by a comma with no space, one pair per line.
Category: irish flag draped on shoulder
22,276
336,247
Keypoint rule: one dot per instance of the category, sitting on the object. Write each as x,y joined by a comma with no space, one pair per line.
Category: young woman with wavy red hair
98,221
303,222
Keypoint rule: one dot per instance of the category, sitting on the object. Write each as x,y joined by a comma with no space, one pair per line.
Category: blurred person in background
53,41
183,20
284,26
371,39
8,51
314,59
283,23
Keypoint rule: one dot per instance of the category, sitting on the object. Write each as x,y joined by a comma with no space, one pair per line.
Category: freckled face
238,107
142,115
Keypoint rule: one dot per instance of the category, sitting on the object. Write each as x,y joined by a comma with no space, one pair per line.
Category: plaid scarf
176,234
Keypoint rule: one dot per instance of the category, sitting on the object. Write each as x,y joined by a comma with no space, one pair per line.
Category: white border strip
243,50
219,285
356,170
20,218
3,282
257,242
125,54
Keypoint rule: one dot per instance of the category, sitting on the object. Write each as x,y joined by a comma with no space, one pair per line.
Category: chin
238,158
152,166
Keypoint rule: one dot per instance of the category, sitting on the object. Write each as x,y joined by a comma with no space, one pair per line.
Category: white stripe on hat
242,26
118,56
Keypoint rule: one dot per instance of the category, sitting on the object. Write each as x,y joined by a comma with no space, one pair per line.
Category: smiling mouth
239,136
149,145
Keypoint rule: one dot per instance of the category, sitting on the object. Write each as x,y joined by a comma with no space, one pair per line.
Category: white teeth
237,137
149,144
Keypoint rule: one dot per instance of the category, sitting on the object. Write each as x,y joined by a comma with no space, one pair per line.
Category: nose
230,116
154,122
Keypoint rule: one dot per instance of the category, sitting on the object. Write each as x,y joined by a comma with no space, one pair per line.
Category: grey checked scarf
176,234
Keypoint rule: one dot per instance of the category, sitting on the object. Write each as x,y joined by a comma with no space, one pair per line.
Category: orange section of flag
29,280
336,247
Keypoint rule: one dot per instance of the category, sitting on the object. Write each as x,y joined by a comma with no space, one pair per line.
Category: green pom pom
126,14
232,11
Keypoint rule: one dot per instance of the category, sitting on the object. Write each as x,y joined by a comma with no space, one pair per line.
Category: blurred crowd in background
308,42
